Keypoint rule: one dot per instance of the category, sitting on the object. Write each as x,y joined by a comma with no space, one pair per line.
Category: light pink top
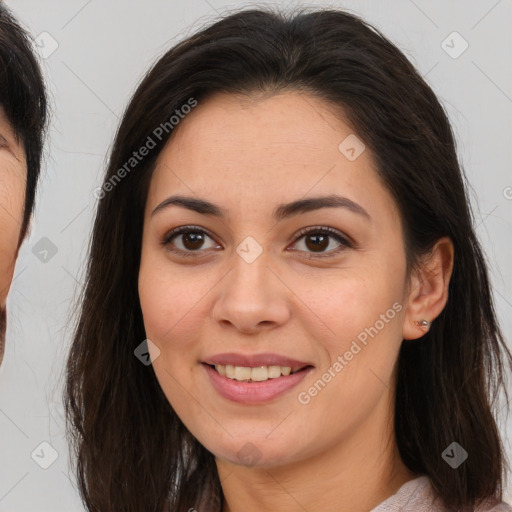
418,496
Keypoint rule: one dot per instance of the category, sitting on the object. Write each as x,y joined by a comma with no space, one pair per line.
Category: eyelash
317,230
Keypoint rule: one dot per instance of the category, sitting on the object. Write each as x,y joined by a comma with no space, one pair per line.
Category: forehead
295,120
291,132
255,151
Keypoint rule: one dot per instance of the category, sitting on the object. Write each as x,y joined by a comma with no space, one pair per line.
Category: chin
255,452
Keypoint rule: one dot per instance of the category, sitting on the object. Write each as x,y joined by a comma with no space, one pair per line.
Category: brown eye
317,240
190,241
186,240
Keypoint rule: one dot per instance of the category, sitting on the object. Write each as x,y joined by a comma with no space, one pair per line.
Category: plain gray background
93,54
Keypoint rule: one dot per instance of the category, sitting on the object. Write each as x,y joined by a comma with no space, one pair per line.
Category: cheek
11,215
364,316
359,359
170,301
172,314
155,301
12,192
354,304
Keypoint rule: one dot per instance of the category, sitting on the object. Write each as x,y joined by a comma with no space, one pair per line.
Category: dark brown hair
23,97
133,452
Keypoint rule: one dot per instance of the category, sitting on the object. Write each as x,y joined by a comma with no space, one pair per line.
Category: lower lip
254,392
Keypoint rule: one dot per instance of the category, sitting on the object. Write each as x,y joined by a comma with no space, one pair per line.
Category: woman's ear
428,291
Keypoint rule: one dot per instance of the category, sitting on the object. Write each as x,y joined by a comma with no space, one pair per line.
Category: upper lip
253,360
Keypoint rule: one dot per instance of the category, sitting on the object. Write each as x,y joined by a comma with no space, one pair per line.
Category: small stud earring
423,323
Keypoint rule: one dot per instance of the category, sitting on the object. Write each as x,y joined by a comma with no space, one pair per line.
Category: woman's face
13,176
248,289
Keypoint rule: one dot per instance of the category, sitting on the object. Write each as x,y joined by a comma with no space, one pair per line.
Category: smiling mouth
255,374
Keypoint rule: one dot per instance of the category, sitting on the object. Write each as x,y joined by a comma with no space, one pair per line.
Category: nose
252,297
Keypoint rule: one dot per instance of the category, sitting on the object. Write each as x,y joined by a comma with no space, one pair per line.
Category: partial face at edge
305,297
13,178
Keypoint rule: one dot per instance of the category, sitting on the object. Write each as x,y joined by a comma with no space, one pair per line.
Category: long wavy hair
132,451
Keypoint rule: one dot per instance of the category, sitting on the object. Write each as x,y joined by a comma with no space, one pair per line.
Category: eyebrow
281,212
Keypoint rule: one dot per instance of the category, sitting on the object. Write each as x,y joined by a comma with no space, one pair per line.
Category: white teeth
230,371
242,373
257,374
260,373
274,372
